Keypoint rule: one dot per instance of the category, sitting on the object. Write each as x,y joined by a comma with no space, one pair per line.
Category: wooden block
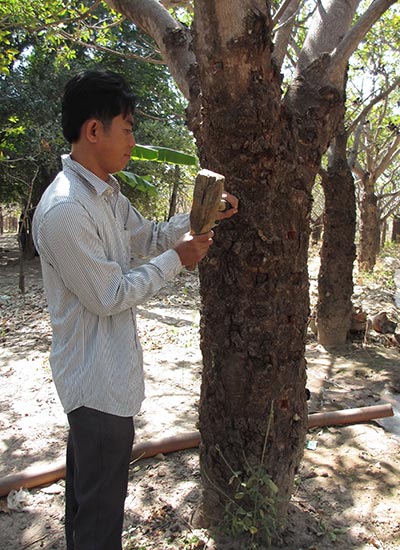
208,189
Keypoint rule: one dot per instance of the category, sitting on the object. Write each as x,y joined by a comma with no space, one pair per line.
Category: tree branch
281,11
331,20
98,47
358,170
176,3
389,156
162,119
286,15
172,38
353,37
352,158
373,102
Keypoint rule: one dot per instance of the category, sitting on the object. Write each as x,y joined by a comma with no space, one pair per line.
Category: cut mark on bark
283,404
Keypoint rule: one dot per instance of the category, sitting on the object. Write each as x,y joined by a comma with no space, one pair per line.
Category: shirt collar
99,186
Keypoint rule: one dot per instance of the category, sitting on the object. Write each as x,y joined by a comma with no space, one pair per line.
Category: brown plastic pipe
49,473
45,474
349,416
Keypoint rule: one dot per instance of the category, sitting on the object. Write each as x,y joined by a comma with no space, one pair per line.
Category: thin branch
373,102
125,55
389,156
389,195
22,159
283,33
108,26
289,21
162,119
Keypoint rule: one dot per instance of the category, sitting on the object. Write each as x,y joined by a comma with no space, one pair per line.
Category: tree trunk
254,281
369,229
258,271
335,279
25,237
316,229
396,229
383,233
174,194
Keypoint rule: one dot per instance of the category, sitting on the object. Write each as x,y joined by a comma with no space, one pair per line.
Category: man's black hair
94,94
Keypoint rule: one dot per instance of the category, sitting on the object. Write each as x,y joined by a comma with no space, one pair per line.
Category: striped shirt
88,234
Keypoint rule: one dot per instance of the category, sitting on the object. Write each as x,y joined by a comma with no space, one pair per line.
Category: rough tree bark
338,252
254,284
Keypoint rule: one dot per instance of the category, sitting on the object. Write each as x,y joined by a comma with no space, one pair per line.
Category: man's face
115,144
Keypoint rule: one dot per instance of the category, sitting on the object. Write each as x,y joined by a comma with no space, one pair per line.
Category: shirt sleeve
150,238
69,241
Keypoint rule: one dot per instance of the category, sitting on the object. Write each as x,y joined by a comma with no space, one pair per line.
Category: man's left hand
234,205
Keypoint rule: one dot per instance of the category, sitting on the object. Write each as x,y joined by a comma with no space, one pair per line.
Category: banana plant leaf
141,183
162,154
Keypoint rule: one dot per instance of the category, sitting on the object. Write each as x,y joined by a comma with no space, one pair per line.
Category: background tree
373,121
376,168
372,82
348,152
338,251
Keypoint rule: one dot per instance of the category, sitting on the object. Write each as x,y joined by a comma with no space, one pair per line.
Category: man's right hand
191,249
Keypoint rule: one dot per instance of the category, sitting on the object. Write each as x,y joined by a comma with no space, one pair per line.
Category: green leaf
140,183
162,154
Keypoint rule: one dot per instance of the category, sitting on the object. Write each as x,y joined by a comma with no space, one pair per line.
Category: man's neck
86,159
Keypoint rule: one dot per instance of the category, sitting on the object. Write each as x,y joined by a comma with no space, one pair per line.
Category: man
86,233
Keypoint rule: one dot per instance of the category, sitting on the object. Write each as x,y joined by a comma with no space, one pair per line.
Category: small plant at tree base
252,512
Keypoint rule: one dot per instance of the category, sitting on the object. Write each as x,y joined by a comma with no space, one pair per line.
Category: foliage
373,102
383,274
155,154
251,513
162,154
183,14
65,28
164,175
140,183
30,141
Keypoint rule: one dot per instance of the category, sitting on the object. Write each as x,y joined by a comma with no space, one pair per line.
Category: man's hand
234,203
191,249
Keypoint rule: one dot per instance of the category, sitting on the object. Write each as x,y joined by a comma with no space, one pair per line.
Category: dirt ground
346,493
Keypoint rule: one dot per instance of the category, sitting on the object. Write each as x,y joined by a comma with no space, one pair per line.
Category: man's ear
91,130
